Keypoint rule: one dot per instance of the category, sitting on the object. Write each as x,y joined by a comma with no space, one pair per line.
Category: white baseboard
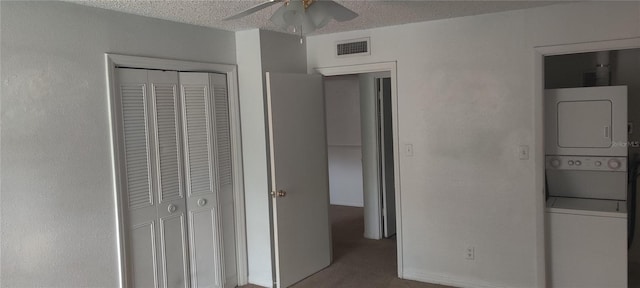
412,274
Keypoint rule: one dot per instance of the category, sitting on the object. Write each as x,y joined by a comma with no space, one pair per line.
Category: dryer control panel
586,163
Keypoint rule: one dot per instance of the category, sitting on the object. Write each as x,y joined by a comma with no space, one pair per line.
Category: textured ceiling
372,13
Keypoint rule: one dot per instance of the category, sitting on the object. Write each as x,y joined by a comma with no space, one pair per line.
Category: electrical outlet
471,253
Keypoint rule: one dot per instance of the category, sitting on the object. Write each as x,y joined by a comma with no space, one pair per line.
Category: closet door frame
113,61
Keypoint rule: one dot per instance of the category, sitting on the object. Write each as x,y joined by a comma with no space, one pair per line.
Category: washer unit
587,221
586,175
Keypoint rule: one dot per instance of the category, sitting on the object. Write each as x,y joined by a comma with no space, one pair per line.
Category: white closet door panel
135,135
173,247
135,129
171,207
224,175
197,127
222,129
205,270
143,259
198,131
164,88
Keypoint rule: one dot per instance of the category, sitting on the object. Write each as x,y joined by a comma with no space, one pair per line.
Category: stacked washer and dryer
586,179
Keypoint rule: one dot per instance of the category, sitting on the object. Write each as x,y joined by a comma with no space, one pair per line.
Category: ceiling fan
305,15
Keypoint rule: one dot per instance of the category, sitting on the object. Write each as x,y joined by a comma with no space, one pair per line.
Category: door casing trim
390,67
539,53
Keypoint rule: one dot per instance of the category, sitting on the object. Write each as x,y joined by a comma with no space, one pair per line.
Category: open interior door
299,176
386,157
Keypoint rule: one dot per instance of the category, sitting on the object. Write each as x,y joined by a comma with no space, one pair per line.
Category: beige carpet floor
358,262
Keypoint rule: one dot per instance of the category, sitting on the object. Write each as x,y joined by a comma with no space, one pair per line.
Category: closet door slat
167,140
222,124
197,127
136,141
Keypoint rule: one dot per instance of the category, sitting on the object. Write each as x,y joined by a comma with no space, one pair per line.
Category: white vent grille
353,47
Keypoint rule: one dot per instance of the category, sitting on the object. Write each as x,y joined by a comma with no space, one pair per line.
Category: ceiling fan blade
253,9
337,11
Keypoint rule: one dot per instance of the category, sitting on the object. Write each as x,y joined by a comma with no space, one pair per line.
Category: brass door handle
280,193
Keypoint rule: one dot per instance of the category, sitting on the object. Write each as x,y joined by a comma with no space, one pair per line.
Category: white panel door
299,176
202,187
171,205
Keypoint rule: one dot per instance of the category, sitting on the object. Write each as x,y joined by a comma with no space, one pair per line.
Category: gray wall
58,210
466,93
342,98
260,52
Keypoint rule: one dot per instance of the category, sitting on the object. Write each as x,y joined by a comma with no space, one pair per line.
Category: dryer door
588,121
584,124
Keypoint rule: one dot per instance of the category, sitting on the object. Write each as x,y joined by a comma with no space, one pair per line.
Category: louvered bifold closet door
202,202
138,187
170,189
224,176
153,182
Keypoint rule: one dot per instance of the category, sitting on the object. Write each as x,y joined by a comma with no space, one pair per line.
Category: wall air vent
353,47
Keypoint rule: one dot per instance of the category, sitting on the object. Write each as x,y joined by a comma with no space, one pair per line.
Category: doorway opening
361,180
605,82
360,148
299,173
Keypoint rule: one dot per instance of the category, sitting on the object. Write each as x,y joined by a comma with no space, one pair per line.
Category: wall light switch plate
523,151
408,149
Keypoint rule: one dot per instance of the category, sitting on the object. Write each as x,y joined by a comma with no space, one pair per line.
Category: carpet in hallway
358,262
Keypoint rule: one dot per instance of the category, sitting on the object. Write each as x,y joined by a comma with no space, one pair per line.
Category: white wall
260,52
466,102
370,156
342,98
254,149
58,209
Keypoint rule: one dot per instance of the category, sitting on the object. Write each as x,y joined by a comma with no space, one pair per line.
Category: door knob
280,193
202,202
172,208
